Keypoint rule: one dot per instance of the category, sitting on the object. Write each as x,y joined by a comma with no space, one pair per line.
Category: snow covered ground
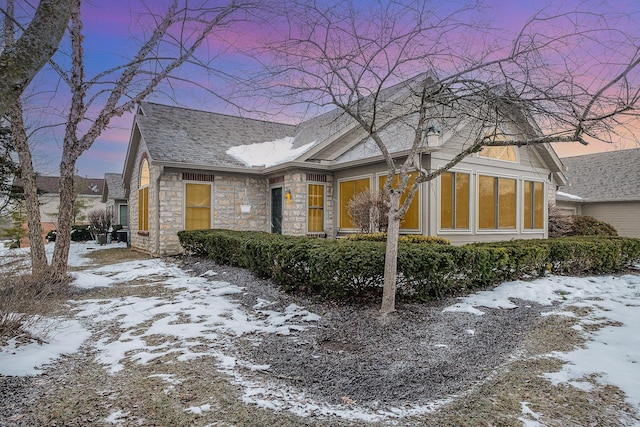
201,320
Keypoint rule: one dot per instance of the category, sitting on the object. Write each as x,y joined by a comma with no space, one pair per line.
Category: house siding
622,215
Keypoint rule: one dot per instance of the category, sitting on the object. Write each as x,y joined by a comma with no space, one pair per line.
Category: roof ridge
200,110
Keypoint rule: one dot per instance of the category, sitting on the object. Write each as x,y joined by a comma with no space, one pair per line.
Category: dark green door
276,210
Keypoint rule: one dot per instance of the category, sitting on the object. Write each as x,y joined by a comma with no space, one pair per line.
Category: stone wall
294,215
170,208
229,195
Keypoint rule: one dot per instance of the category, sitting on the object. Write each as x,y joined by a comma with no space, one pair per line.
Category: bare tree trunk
39,264
20,63
391,256
65,216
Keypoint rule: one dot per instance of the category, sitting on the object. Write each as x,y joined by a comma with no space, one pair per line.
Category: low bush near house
583,225
346,269
404,238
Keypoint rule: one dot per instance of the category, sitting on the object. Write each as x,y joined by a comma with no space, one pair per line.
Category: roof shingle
604,177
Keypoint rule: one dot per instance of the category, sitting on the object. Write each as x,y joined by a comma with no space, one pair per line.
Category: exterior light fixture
288,195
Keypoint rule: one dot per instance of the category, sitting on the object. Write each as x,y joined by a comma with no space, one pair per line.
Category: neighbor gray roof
84,186
603,177
181,135
113,188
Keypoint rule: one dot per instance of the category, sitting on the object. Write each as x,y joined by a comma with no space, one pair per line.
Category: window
496,202
533,205
348,189
315,208
506,153
454,200
411,220
197,214
143,197
124,215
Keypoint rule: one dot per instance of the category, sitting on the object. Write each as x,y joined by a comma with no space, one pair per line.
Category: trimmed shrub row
345,270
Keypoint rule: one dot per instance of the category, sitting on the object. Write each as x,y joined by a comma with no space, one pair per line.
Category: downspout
160,172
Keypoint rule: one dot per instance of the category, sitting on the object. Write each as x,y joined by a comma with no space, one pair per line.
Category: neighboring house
188,169
88,197
114,199
605,186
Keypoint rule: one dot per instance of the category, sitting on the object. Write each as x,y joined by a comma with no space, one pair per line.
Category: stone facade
230,193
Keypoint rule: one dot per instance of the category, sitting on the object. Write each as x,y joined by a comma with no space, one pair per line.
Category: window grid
315,204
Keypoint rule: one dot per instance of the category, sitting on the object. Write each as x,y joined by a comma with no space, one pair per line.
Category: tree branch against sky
21,62
176,31
576,73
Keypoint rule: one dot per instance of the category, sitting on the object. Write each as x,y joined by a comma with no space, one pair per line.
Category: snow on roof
567,195
268,153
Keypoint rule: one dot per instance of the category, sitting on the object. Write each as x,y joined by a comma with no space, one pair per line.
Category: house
605,186
188,169
114,199
88,196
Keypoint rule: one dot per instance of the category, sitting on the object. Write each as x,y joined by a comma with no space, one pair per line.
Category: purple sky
109,30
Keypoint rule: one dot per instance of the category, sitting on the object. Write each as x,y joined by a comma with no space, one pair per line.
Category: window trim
517,229
544,211
471,206
184,201
143,194
323,208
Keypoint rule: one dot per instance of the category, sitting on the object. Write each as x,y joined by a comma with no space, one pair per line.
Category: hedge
343,269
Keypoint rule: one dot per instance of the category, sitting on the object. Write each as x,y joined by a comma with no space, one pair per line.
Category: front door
276,210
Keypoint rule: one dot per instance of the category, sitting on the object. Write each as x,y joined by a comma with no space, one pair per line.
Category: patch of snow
613,303
268,153
197,410
116,417
529,418
567,195
59,337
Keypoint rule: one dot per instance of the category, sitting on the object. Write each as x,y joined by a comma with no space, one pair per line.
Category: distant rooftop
604,177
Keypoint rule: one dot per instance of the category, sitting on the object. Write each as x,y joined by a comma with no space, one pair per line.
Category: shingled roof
181,135
112,188
604,177
84,186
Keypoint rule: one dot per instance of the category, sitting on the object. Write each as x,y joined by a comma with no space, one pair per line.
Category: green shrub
79,233
347,269
583,225
404,238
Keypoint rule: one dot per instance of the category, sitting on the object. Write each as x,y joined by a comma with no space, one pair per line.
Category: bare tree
174,40
400,69
39,265
21,61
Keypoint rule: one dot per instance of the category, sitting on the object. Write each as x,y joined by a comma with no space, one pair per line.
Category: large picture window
496,202
197,206
533,205
454,200
348,189
143,196
411,220
315,208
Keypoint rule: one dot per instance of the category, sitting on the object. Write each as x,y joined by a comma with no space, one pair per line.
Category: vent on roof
316,177
276,180
192,176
